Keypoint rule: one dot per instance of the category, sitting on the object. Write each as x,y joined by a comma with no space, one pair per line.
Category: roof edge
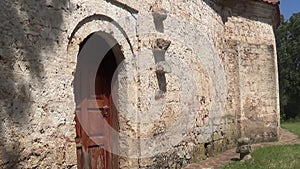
272,1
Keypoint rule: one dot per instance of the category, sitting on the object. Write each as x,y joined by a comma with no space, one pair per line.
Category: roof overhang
272,1
277,18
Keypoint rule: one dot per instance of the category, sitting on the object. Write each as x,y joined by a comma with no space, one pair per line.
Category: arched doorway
97,61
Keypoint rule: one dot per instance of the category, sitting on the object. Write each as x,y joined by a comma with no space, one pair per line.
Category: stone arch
84,24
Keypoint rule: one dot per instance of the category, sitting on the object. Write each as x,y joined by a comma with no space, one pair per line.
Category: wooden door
94,109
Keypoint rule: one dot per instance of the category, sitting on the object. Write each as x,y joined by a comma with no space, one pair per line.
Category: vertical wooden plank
79,158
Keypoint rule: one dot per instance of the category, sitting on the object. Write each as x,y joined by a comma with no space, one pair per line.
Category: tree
288,52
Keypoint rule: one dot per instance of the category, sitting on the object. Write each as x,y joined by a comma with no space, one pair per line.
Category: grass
293,126
274,157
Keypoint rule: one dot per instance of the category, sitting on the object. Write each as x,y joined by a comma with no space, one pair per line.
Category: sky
288,7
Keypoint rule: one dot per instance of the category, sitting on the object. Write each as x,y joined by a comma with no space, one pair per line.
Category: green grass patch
292,126
272,157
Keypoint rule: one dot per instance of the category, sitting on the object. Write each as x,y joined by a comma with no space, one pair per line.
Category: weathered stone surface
222,82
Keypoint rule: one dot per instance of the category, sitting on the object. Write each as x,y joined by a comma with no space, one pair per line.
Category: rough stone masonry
217,78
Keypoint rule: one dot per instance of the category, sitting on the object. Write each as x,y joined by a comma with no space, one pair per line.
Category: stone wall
250,38
222,77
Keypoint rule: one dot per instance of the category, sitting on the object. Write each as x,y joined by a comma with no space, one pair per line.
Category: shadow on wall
26,29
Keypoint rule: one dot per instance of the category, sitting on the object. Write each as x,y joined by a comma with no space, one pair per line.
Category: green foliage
272,157
293,126
288,52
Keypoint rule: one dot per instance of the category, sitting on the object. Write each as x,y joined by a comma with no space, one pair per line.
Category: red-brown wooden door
93,99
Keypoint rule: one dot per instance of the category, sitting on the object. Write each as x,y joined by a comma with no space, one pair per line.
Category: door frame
118,56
